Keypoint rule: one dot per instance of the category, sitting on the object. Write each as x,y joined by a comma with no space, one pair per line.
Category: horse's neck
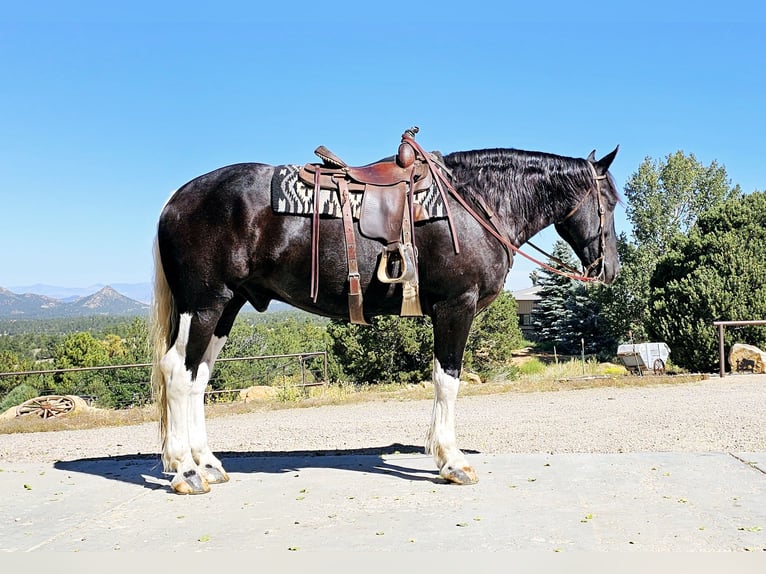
526,218
522,212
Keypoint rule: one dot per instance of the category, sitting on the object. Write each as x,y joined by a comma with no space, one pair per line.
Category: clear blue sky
106,109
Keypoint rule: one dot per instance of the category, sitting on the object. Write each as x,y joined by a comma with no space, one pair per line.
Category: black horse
220,243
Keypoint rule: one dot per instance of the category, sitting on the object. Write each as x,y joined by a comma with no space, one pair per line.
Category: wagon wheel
46,407
659,367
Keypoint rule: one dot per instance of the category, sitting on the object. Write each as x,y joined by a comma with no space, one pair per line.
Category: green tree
550,315
394,349
665,198
75,351
126,344
495,334
568,311
389,349
10,363
78,342
285,334
717,272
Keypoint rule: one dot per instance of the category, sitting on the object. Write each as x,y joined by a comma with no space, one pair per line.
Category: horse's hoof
465,475
215,475
190,482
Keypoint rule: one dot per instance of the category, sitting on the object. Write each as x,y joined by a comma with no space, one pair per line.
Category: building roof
528,294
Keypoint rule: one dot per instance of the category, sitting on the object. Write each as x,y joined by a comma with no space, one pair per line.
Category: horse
220,244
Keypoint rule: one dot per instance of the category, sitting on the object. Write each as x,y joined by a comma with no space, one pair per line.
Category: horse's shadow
146,469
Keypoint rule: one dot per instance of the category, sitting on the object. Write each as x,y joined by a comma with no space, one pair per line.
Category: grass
534,375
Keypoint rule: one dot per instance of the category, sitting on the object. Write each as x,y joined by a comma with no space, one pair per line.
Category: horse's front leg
450,334
452,463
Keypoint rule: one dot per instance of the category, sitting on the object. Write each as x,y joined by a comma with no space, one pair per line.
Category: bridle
601,227
442,180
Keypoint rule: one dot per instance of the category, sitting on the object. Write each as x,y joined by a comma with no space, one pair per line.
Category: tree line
391,349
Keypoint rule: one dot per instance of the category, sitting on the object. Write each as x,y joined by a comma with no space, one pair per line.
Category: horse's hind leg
187,367
208,464
179,385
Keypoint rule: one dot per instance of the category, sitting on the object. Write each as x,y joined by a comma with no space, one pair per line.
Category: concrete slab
393,502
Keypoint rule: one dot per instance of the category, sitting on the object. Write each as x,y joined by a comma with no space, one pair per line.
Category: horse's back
214,191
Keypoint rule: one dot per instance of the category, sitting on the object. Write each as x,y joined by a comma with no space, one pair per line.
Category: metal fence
301,370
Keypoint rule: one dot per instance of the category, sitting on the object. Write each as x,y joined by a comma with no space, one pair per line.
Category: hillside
106,301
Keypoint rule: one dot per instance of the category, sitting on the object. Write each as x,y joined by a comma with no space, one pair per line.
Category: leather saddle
384,186
388,213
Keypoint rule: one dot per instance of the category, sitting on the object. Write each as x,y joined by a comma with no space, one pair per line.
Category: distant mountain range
138,291
105,301
50,301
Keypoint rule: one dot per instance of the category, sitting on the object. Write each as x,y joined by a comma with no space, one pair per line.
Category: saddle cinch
388,214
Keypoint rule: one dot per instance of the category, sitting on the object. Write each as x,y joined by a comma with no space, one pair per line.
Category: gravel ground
715,415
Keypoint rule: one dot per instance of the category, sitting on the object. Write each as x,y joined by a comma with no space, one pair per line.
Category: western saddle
388,214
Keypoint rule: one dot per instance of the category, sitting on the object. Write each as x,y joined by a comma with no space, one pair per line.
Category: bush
18,395
533,366
716,273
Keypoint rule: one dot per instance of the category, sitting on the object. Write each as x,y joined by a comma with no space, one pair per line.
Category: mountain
50,301
105,301
137,291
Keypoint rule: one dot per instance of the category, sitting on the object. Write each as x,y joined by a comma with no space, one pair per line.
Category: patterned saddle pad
290,195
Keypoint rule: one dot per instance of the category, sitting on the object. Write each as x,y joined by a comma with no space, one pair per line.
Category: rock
744,357
257,393
471,378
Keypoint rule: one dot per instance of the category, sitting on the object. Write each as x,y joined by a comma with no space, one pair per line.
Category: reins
441,179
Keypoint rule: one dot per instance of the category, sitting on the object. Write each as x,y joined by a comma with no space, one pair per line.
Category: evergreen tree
389,349
715,273
75,351
568,311
495,334
551,316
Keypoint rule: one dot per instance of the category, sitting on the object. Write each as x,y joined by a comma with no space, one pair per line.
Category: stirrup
408,265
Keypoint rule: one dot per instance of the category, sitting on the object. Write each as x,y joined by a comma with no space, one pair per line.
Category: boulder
471,378
748,358
257,393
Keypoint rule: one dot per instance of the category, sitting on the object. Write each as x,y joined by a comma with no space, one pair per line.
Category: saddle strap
410,289
441,181
315,238
355,303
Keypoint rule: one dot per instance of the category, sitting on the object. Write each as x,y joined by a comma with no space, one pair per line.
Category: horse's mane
530,184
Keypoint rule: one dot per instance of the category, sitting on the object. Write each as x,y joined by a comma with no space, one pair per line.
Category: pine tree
567,315
551,315
715,273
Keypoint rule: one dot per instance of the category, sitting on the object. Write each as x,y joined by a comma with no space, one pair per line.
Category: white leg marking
441,442
210,467
176,454
441,436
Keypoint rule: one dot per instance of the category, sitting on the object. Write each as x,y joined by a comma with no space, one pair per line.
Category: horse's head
588,227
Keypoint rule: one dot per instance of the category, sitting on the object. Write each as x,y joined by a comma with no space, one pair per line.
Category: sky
107,107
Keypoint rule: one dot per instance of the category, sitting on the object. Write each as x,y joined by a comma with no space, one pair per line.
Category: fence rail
210,394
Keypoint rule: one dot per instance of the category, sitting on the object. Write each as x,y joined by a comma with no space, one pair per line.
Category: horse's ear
602,165
592,156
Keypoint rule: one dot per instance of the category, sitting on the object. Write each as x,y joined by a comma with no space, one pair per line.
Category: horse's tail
162,326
